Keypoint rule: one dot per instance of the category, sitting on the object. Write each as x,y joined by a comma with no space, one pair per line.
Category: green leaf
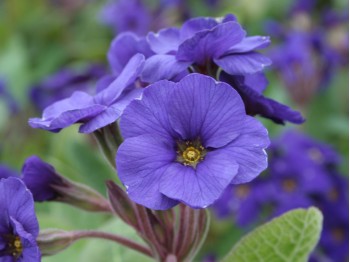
290,237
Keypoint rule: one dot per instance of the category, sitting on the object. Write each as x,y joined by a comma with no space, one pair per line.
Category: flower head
206,44
186,142
18,223
94,112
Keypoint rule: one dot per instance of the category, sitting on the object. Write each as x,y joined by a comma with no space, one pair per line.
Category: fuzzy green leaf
288,238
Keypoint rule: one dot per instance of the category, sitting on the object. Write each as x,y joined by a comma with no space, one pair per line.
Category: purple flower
41,179
63,83
250,88
127,15
305,61
18,223
243,202
94,112
204,44
186,142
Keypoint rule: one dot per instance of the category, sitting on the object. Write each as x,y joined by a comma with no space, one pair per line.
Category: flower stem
113,237
104,147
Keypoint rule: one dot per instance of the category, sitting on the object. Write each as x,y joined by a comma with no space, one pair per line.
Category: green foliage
290,237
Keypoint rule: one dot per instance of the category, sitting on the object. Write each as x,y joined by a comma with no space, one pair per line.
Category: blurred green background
39,37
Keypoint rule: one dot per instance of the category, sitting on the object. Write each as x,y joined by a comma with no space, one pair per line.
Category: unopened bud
52,241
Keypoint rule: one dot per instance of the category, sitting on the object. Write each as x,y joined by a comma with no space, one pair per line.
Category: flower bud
52,241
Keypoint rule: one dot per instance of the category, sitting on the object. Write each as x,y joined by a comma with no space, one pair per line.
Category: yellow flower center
15,247
190,153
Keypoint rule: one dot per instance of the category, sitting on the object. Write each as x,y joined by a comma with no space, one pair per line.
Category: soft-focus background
49,48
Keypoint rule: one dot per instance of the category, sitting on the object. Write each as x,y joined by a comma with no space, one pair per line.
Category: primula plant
175,117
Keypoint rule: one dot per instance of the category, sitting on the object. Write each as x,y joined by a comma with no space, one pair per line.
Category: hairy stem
115,238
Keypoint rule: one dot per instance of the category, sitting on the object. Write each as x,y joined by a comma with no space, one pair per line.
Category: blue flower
18,223
94,112
186,142
205,44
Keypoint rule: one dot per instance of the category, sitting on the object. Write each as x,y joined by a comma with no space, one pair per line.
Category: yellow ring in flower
191,154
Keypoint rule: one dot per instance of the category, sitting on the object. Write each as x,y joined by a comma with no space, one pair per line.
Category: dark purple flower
94,112
186,142
47,185
204,44
127,15
250,88
41,178
63,83
18,223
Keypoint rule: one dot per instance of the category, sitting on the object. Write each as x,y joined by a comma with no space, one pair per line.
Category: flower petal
67,112
196,25
201,107
161,67
123,48
128,76
16,201
248,150
149,115
244,63
112,113
30,250
141,162
199,187
165,41
250,43
209,44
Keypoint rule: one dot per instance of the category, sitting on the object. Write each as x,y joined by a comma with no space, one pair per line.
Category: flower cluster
309,53
184,100
302,173
207,137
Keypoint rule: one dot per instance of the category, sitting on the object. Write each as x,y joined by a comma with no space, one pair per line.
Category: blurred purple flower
302,173
187,142
127,15
63,83
18,223
94,112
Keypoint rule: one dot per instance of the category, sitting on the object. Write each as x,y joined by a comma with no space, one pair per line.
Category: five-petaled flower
186,142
